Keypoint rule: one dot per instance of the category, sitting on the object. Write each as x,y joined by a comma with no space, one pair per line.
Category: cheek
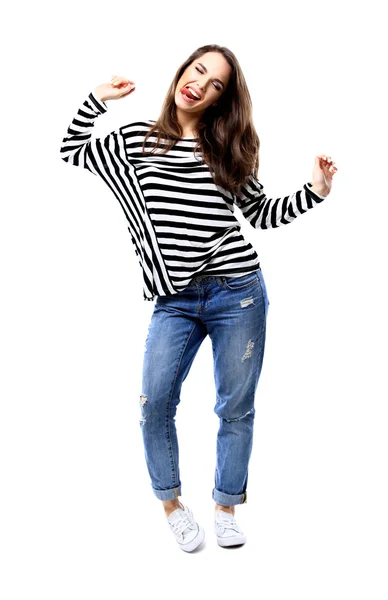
181,81
213,96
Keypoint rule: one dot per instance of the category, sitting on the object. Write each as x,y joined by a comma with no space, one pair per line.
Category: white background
78,516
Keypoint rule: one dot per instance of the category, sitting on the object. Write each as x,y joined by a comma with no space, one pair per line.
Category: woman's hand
118,87
323,171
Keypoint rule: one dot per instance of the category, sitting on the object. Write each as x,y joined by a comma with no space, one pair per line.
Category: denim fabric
233,311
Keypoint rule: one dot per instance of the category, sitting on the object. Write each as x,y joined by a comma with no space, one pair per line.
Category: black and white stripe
180,222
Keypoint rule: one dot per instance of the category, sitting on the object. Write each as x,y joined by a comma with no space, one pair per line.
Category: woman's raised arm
78,147
264,213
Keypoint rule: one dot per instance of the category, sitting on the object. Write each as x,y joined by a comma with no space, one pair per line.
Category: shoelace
228,521
184,523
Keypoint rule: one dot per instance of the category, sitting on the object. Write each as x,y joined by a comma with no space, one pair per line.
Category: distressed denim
233,311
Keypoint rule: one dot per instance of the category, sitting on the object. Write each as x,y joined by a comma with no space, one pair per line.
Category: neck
189,123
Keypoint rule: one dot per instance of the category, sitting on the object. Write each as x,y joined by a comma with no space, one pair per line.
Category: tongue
189,94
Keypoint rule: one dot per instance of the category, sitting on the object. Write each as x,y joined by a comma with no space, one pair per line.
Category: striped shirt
181,223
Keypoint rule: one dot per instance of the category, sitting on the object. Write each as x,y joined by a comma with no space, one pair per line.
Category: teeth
193,91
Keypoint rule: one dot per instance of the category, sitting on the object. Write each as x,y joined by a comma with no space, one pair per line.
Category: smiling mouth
188,95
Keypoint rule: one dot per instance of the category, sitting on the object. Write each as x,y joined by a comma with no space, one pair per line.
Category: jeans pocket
238,283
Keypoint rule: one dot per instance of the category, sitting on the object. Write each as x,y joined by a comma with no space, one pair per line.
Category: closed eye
217,87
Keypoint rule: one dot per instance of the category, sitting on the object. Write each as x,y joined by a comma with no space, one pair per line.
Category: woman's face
208,76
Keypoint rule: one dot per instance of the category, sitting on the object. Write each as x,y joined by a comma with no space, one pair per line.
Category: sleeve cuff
98,105
308,187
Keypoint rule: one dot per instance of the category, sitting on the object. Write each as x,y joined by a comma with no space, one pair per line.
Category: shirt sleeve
264,213
101,156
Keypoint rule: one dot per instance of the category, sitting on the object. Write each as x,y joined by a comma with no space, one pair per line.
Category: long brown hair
227,137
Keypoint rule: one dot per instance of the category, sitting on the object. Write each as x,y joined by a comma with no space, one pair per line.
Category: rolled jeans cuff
170,494
229,499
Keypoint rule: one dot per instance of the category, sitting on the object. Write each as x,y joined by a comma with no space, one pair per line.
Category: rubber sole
232,541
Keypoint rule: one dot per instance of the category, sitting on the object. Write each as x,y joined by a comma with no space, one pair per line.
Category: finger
125,91
327,160
327,164
126,86
330,161
116,80
329,170
325,157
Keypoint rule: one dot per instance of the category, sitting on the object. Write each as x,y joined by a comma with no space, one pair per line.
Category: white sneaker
227,531
187,532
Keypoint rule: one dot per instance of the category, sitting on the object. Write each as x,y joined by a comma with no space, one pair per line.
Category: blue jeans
233,311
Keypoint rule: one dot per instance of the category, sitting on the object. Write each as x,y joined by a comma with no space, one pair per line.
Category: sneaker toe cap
192,539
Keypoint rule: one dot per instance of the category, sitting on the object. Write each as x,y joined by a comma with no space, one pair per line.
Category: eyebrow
205,69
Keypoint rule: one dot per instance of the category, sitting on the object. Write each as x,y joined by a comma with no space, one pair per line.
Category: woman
177,180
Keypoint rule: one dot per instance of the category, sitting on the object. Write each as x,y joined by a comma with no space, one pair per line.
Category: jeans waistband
200,277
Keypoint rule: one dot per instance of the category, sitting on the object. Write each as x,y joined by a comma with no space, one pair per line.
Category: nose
202,84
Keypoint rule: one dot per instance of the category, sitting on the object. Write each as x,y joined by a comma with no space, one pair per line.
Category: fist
118,87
